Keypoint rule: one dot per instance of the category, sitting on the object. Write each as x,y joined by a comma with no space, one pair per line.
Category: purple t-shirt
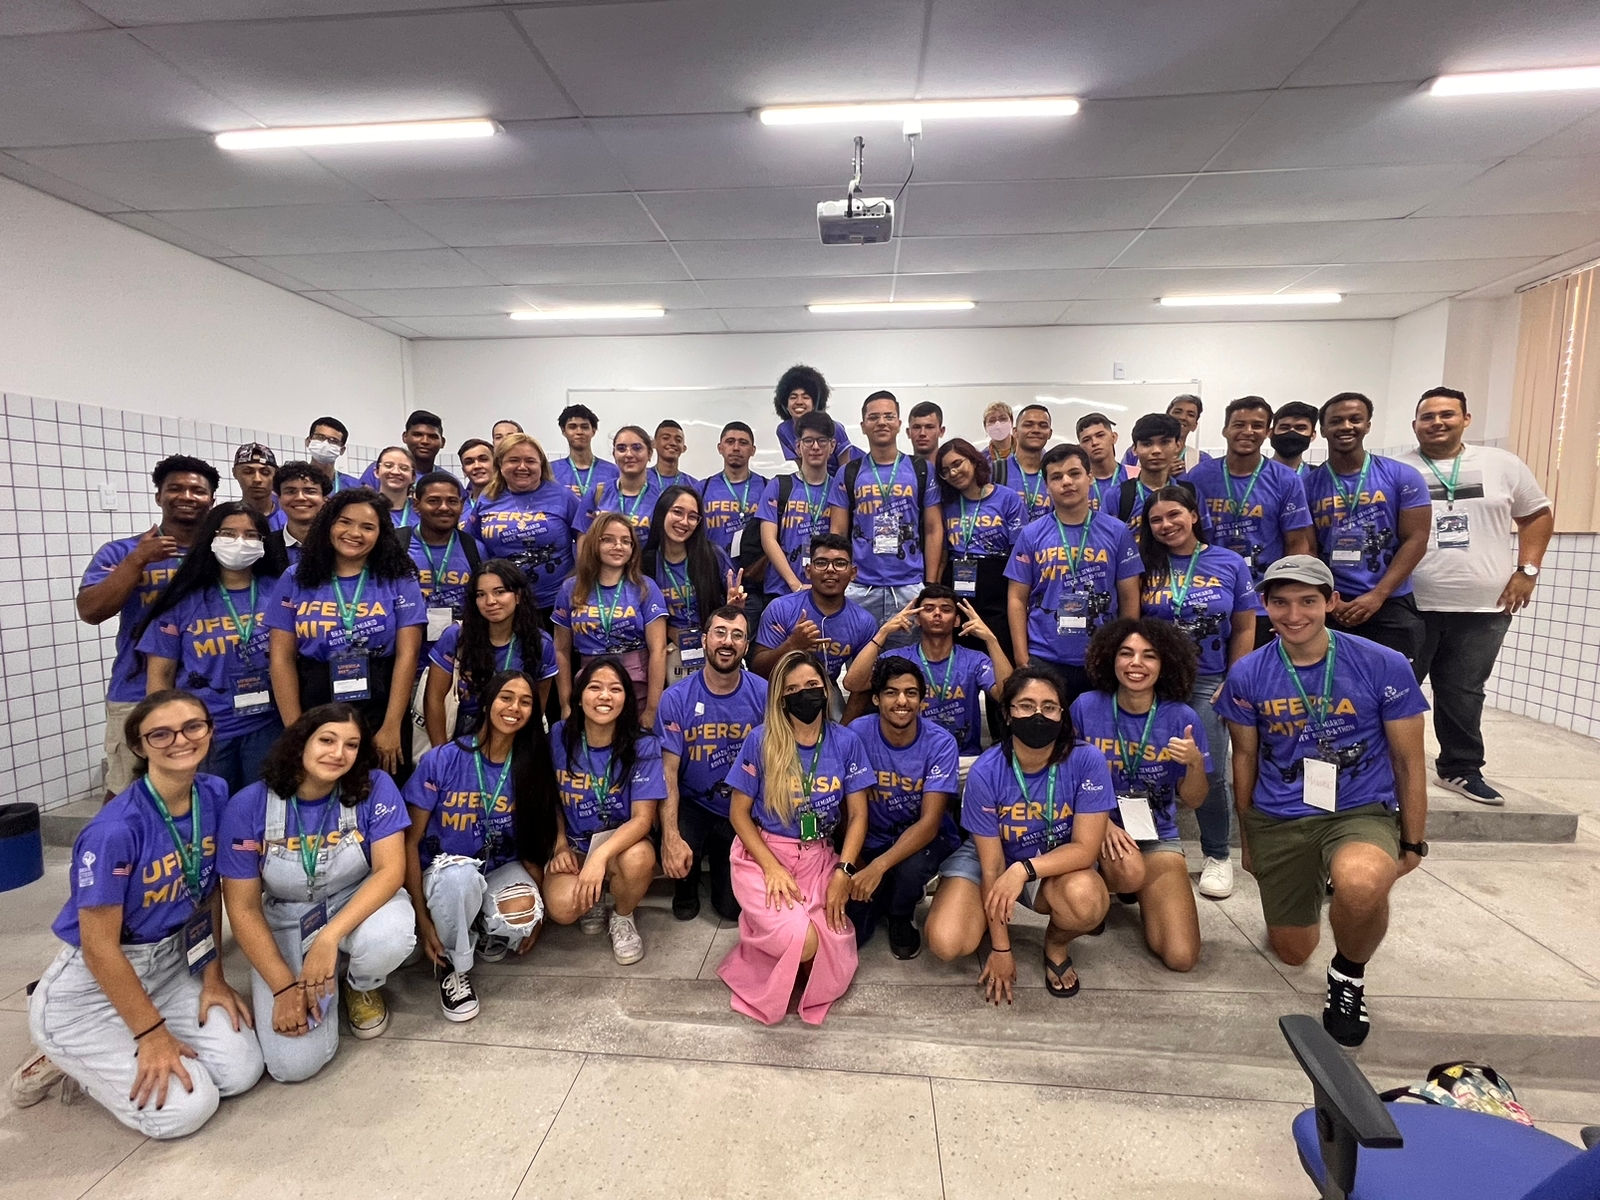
629,607
638,510
124,858
242,840
1065,589
902,774
1219,587
994,806
443,571
584,811
884,529
199,634
677,588
681,479
506,658
954,684
532,529
1371,684
843,634
312,614
127,673
1030,489
1103,492
804,516
582,482
838,766
1254,519
986,528
1100,721
843,448
729,508
1359,546
445,786
706,732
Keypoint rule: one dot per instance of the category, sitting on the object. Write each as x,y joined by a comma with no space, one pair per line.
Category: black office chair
1356,1147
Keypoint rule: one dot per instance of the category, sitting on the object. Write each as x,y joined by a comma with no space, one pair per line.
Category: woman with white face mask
207,634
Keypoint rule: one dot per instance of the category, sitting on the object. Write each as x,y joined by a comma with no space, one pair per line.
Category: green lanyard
602,791
347,611
583,480
885,490
949,668
245,628
673,581
308,851
1050,801
813,511
1031,498
1351,499
491,799
965,524
1132,759
808,778
1236,507
436,569
1315,712
744,496
192,856
606,605
1180,593
631,515
405,515
1083,541
1449,485
505,659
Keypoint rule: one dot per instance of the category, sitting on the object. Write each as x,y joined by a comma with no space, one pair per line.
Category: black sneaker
1345,1016
1473,788
1128,897
904,940
686,900
457,1000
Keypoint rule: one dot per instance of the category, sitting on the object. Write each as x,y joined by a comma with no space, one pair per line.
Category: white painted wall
473,383
1470,345
1417,364
92,312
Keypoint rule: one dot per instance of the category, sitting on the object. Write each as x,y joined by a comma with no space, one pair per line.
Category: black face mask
1036,732
806,706
1290,445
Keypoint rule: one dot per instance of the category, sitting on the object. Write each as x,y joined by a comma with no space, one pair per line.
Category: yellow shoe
369,1015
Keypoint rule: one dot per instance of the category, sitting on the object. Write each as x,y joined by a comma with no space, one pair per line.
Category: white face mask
323,451
998,431
237,553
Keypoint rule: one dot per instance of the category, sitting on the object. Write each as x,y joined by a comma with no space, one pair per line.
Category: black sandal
1058,970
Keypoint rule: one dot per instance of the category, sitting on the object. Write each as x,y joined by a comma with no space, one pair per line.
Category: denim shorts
1161,846
963,864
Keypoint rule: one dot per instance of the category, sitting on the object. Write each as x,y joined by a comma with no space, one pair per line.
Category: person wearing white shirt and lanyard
1472,579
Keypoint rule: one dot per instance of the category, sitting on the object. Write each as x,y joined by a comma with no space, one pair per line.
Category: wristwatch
1027,865
1528,569
1420,849
849,868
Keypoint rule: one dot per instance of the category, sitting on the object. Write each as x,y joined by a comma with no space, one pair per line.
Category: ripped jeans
458,893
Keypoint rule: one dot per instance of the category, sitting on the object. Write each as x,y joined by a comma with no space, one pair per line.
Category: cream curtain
1555,422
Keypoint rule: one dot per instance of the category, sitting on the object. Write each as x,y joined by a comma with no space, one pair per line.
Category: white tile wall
53,458
1551,658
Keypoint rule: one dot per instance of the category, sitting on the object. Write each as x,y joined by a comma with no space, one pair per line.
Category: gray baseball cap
1299,568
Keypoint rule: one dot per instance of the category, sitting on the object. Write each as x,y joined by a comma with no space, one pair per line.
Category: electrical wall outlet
109,500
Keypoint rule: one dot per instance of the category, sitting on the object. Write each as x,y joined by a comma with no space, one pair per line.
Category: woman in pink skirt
798,776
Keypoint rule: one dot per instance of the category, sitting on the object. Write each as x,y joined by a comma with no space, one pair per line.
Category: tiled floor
582,1078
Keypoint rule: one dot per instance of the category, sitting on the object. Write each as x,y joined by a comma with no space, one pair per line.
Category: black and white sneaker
1473,788
905,943
1345,1016
457,1000
493,949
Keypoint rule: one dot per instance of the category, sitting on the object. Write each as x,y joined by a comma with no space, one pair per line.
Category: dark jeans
1397,625
1074,676
1459,651
238,760
902,887
710,835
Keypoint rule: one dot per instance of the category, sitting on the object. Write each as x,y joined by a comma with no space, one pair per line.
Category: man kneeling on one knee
1327,745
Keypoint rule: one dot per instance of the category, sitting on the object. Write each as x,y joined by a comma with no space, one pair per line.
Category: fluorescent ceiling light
1499,83
894,306
1080,400
598,313
919,110
354,135
1274,298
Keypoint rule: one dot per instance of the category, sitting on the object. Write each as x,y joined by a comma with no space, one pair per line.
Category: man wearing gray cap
1329,779
254,466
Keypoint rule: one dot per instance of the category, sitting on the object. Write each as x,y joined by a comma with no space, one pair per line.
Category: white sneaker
626,943
593,921
1216,878
34,1077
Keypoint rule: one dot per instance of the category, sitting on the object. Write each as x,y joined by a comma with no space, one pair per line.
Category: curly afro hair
1177,653
807,379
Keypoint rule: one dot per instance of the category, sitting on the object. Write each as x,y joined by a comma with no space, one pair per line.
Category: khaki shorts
1290,858
120,760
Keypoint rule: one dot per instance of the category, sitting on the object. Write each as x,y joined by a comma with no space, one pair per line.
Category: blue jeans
238,760
902,887
883,603
1214,814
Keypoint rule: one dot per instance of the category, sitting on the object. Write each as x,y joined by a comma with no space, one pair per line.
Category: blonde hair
780,754
998,408
587,573
496,487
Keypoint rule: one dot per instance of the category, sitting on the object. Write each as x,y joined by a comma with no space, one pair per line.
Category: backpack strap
751,553
469,547
852,472
1000,471
1127,497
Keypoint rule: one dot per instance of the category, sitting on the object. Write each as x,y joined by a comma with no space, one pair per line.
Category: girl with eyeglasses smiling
634,492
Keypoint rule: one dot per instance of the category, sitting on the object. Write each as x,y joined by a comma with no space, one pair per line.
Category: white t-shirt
1471,554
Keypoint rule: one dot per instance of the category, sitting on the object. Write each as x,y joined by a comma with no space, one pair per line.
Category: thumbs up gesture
1186,750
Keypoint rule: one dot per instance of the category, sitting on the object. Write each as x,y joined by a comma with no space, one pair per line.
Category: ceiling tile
774,259
1394,123
382,68
267,274
46,16
1091,48
405,303
1042,312
1454,275
795,292
620,263
1354,308
193,173
686,321
339,304
389,326
1133,283
380,269
532,221
1582,137
1525,185
727,55
1346,194
797,319
995,285
162,12
530,158
13,167
302,229
183,238
1041,251
104,86
1054,206
722,150
724,214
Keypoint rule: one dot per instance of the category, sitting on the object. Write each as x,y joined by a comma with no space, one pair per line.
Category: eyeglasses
193,731
814,443
615,543
831,564
735,636
1027,708
233,535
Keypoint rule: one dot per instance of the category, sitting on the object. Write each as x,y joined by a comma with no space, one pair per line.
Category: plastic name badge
439,619
251,693
311,921
966,577
1072,616
1347,546
886,533
737,543
808,827
1452,531
1136,818
199,942
1321,784
348,674
691,650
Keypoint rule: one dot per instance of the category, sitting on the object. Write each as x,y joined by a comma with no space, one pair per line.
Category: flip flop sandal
1058,970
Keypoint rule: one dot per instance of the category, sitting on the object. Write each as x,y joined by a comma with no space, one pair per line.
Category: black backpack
468,544
1129,496
750,552
852,472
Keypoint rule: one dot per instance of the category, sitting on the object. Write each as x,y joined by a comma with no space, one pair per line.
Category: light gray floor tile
25,917
673,949
1542,904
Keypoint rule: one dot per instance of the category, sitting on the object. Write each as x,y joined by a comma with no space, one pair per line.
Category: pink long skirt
762,968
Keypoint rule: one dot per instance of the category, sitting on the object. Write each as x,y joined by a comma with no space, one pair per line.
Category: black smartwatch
1027,865
848,868
1420,849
